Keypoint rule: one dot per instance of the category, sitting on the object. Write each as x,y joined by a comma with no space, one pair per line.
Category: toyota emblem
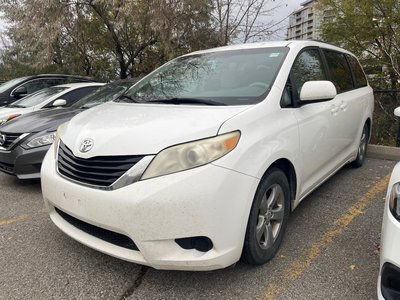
86,145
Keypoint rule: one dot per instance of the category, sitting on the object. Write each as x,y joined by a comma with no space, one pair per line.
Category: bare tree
130,37
244,20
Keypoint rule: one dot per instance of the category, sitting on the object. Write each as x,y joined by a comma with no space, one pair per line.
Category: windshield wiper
186,101
126,97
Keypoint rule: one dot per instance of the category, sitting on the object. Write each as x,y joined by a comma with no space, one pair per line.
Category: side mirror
59,102
20,92
318,90
397,112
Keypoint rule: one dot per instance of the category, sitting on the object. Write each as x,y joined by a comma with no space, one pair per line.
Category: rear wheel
362,148
268,218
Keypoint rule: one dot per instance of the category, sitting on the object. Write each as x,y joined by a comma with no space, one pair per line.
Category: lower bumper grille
101,233
7,168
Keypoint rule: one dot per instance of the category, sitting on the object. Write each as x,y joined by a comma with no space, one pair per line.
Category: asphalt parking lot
330,251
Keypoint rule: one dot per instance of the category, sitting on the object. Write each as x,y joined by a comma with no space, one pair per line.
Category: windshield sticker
274,55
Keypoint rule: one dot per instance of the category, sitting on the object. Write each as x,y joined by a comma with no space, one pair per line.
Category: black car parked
17,88
25,140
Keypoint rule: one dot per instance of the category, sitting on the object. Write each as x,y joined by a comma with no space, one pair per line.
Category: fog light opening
200,243
390,281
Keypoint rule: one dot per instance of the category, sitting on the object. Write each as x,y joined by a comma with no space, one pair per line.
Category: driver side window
35,85
308,66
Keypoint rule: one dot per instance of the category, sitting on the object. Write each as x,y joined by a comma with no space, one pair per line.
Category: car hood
43,120
140,129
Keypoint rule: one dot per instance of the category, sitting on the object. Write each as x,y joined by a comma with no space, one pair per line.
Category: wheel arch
287,167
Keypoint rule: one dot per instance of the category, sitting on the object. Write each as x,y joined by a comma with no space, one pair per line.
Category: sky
287,8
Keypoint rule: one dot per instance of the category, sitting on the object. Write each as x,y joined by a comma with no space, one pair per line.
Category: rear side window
339,70
308,66
357,71
35,85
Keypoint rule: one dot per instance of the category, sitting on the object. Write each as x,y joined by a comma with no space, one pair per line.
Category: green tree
370,29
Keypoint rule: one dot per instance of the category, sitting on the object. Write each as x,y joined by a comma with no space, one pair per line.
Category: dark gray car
25,140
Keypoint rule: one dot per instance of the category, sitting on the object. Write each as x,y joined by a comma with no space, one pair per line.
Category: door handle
334,109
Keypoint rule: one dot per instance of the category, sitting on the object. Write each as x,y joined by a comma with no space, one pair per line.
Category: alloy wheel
270,216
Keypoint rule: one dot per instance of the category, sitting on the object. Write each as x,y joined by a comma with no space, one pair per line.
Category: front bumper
389,272
25,164
208,201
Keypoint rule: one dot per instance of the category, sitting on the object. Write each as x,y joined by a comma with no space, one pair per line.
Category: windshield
104,94
9,84
38,97
237,77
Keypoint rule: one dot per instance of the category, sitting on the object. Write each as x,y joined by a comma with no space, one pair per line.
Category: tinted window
339,70
35,85
75,95
308,66
55,81
357,71
287,99
236,77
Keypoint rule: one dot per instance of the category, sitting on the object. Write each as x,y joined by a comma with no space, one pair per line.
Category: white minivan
201,162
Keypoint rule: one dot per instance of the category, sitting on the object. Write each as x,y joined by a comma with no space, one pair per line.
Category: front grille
9,139
100,170
101,233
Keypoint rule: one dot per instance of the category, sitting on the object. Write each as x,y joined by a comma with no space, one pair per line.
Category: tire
362,148
268,218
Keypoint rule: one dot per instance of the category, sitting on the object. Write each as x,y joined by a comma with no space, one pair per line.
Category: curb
383,152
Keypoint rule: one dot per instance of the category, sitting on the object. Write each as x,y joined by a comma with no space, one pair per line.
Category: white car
61,95
389,272
201,162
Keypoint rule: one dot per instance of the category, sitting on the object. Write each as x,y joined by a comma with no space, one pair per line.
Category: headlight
43,140
13,116
394,204
191,155
8,118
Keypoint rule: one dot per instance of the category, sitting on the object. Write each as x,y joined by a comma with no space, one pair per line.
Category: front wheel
268,218
362,148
